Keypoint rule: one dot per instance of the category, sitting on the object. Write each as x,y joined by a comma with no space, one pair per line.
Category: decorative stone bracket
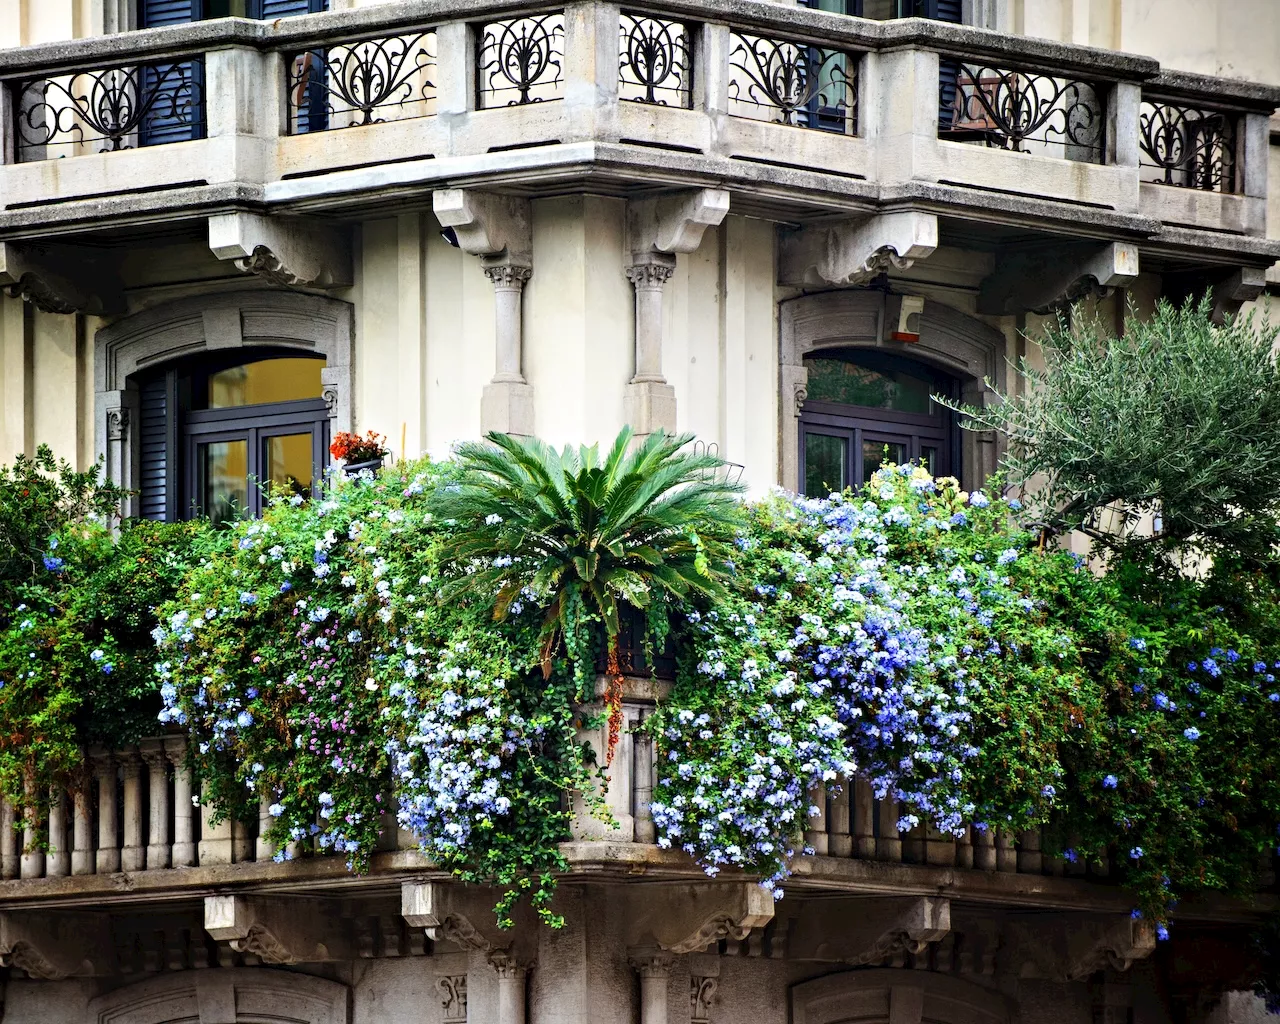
683,918
1045,280
52,945
281,250
657,230
851,252
497,229
279,931
866,931
1244,284
61,278
1073,946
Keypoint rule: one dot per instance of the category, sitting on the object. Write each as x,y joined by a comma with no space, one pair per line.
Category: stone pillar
889,845
1006,855
32,859
215,846
157,761
183,853
507,402
649,401
108,856
265,849
642,784
838,838
864,818
8,843
511,988
58,861
655,975
82,828
984,849
133,855
815,829
1030,859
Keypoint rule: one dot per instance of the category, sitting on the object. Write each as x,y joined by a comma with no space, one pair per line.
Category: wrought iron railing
368,82
792,83
1021,111
655,61
101,110
520,60
1189,146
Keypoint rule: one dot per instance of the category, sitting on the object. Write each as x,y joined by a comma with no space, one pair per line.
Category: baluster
242,843
964,848
984,853
58,859
158,851
32,865
108,856
265,849
1006,855
184,844
864,822
939,848
839,841
646,832
215,841
82,829
815,832
8,842
1030,859
889,846
133,855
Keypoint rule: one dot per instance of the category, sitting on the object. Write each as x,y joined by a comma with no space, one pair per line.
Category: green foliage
1179,420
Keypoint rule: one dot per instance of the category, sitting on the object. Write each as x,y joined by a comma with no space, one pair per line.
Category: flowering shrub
353,448
316,668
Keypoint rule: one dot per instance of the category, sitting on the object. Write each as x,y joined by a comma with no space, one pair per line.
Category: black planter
355,468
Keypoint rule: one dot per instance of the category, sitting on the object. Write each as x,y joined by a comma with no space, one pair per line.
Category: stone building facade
231,229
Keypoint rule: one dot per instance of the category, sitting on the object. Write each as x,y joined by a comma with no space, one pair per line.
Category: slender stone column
133,855
655,975
889,845
215,846
8,843
650,277
815,831
864,819
506,404
108,856
984,849
184,846
645,832
158,850
32,859
265,849
838,837
58,861
82,832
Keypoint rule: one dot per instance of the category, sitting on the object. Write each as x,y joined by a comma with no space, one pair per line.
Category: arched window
862,407
218,433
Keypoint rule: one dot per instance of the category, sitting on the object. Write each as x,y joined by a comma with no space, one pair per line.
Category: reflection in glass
288,463
825,458
267,380
837,380
930,455
224,479
876,453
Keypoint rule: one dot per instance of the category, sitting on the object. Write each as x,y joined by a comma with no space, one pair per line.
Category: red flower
354,448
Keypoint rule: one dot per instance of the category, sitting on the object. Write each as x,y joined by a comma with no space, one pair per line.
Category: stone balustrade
800,107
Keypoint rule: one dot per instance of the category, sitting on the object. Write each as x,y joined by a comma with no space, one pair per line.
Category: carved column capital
649,963
117,424
703,993
453,997
508,276
153,754
130,762
651,273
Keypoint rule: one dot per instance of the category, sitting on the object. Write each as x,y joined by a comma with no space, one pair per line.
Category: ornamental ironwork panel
367,82
1021,111
521,61
792,83
654,61
102,110
1188,146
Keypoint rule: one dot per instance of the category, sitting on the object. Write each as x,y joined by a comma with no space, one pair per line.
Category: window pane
288,463
825,458
837,380
874,456
268,380
930,455
224,479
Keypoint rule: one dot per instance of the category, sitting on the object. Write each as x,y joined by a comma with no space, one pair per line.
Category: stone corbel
56,945
283,251
277,931
658,229
866,931
1074,946
851,252
1244,284
686,918
463,916
1045,280
497,229
61,278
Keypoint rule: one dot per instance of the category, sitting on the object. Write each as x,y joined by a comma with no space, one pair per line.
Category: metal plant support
368,82
109,109
654,63
1188,146
520,61
1009,109
792,83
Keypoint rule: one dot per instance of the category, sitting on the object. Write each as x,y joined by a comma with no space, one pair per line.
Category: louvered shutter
287,8
175,114
948,70
154,455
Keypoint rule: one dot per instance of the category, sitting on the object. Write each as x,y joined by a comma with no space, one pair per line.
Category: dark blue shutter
174,89
948,70
287,8
153,442
154,13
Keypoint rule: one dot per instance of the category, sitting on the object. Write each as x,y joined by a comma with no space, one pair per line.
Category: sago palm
581,534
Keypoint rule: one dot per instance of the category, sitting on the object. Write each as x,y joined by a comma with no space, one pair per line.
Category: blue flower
1136,852
1137,643
244,719
1162,932
1163,702
1110,782
1192,733
53,564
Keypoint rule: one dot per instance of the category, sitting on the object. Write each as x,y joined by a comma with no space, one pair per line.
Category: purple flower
53,564
1192,733
1110,782
1162,932
1136,853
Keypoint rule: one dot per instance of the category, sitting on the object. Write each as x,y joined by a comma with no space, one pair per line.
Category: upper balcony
799,114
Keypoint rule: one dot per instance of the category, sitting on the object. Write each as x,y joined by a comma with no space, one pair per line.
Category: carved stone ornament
55,945
674,223
508,276
1052,278
453,996
801,394
282,251
485,223
702,995
267,265
117,424
278,932
1073,946
852,252
689,917
60,278
650,274
858,931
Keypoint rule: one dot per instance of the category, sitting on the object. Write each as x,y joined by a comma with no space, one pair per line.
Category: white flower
493,519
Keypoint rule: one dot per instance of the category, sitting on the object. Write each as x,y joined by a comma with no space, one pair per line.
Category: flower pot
355,468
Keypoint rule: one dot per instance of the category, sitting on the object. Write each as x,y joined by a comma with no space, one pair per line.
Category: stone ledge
1216,91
